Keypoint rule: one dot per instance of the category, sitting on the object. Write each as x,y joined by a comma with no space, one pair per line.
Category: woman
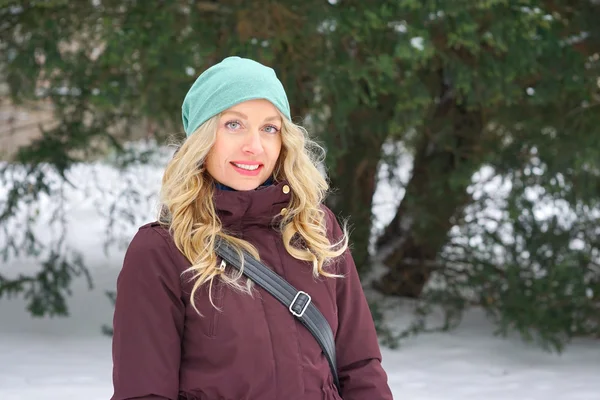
186,325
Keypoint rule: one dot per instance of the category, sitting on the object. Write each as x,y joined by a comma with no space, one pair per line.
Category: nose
253,143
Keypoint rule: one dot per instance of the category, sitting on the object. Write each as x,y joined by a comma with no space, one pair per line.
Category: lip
245,172
247,162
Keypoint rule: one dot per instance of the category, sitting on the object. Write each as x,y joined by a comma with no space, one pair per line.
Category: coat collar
263,206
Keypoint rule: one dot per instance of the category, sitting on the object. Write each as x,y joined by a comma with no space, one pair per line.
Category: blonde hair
189,211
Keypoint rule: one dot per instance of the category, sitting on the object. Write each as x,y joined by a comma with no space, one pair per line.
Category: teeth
246,167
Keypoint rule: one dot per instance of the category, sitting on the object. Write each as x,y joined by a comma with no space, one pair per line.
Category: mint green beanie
230,82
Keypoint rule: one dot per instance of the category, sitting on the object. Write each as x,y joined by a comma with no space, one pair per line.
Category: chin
245,186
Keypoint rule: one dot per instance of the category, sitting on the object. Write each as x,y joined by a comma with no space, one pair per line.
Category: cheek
220,151
215,159
209,164
275,148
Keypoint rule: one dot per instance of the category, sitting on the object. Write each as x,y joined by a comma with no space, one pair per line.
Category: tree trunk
353,186
448,154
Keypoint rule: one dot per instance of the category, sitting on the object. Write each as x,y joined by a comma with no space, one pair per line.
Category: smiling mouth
247,167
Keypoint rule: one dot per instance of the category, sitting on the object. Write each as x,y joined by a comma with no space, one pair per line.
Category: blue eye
233,125
271,129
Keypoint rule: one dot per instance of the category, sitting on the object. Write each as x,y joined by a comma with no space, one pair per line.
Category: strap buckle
300,302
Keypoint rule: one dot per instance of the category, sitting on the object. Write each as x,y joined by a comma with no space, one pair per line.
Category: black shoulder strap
298,302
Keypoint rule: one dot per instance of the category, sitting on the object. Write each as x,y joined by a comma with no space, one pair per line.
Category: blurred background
463,145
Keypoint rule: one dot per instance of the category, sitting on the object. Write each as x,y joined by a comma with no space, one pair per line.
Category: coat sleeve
148,321
357,347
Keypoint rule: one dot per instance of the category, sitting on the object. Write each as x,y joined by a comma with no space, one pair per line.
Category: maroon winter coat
254,349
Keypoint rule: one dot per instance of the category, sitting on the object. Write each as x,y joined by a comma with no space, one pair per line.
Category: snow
65,358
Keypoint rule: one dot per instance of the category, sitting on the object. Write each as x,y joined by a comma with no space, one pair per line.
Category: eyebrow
244,116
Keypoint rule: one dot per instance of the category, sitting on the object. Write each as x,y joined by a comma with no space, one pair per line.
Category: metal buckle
222,266
301,313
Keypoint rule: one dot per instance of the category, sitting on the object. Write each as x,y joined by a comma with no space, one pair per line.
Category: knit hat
230,82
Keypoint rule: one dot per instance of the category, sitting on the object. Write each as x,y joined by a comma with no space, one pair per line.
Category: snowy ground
70,358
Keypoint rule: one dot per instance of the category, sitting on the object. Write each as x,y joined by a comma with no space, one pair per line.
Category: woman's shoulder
156,228
153,235
331,223
150,265
153,241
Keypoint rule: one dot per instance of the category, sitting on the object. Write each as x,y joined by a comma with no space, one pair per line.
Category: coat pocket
217,309
210,312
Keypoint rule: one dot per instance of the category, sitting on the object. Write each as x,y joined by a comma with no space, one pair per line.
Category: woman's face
247,146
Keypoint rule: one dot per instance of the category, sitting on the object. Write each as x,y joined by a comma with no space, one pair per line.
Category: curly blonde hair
189,212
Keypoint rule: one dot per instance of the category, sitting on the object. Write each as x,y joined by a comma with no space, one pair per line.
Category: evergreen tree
501,89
